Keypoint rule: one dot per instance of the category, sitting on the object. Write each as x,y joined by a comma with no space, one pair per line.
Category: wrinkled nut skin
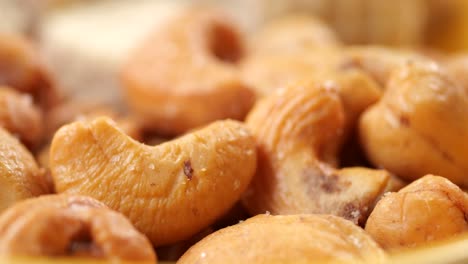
419,125
294,34
19,116
282,239
299,131
22,69
20,177
170,191
74,226
189,78
429,209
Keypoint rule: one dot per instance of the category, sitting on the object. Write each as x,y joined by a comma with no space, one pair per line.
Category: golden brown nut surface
189,78
419,126
22,69
429,209
299,131
75,226
20,116
170,191
20,177
285,239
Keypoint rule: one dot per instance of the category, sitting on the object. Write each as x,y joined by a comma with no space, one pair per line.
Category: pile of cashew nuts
284,146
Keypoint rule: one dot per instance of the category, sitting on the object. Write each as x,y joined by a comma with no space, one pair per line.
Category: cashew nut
299,131
170,191
282,239
22,69
62,225
429,209
20,177
419,126
20,116
188,78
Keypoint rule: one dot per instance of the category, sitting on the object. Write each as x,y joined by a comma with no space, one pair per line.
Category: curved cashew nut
299,131
20,116
170,191
62,225
22,69
187,79
431,208
282,239
419,126
20,177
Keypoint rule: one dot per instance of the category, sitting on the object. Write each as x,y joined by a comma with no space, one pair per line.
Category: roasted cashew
20,177
299,131
285,239
184,77
419,126
75,226
170,191
431,208
22,69
19,116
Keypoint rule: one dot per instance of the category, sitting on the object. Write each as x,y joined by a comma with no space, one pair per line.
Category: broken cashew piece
419,126
299,131
19,116
170,191
70,226
22,69
20,177
189,78
429,209
286,238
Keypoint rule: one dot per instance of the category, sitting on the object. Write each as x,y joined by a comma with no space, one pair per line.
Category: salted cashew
20,177
299,131
20,116
429,209
189,77
296,34
419,125
21,68
170,191
287,238
71,226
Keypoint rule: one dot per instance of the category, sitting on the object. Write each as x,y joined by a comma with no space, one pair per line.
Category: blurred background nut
70,226
21,68
293,34
20,177
189,78
431,208
419,125
19,116
282,239
299,131
170,191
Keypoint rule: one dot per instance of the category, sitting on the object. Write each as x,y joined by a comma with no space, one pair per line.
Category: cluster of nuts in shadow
333,155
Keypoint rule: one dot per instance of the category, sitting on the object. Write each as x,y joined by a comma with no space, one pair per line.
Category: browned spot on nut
405,121
188,170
